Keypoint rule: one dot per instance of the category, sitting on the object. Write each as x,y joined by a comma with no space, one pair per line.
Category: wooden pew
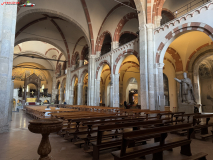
156,148
101,143
198,156
85,119
90,124
203,127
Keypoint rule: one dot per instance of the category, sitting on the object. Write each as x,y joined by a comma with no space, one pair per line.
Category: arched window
126,37
166,16
106,47
166,90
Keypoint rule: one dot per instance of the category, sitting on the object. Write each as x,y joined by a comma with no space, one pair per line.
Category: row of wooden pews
38,112
132,132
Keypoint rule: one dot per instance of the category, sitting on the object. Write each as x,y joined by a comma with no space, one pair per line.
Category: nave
20,144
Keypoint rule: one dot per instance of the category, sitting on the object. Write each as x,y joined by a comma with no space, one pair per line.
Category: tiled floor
21,144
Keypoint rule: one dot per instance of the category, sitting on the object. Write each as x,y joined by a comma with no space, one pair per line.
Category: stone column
160,96
116,102
91,81
7,36
143,68
53,88
68,84
61,95
196,87
121,93
11,101
79,94
157,21
111,99
81,63
114,45
71,96
150,53
97,92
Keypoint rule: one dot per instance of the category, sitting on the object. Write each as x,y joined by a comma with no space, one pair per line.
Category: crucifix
32,92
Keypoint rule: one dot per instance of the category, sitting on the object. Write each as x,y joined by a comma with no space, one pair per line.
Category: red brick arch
127,32
58,82
101,40
76,46
129,51
81,77
62,82
74,76
121,24
193,26
170,62
156,11
100,64
192,54
82,56
51,49
175,55
59,57
131,4
74,57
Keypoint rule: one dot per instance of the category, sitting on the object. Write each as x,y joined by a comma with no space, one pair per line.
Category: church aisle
21,144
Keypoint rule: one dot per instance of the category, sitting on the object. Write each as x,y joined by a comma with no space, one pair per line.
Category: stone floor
21,144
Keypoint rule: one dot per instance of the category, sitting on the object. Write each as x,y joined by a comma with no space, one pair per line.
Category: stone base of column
4,128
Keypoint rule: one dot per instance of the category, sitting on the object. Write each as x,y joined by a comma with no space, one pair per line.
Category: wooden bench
203,127
101,144
155,148
198,156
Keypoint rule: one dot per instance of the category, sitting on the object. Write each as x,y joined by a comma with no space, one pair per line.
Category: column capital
160,65
114,45
149,26
92,56
98,54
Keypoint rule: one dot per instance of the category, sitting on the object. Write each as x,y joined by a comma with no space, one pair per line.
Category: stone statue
186,94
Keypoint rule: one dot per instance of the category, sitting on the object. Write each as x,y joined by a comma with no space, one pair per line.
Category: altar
31,99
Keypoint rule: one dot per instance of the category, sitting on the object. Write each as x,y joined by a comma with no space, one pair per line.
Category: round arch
43,40
178,31
57,84
56,13
195,72
36,53
121,23
73,79
120,59
101,40
98,70
82,75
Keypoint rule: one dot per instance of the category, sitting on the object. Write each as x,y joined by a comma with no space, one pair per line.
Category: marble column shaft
97,92
151,79
114,45
161,99
61,95
143,68
91,81
53,88
7,36
68,84
79,94
71,100
116,99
